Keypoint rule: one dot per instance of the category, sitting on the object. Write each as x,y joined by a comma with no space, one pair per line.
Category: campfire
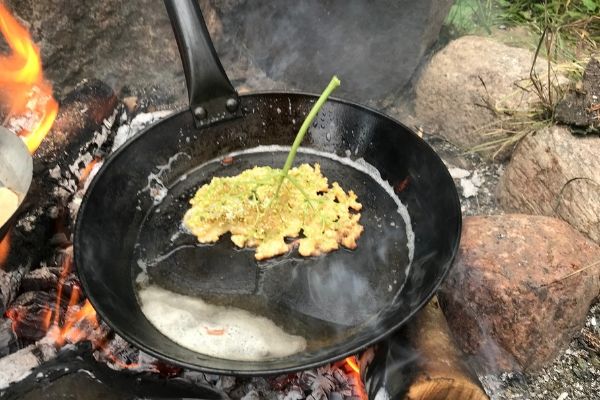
47,325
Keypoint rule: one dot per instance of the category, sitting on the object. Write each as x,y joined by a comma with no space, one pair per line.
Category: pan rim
318,360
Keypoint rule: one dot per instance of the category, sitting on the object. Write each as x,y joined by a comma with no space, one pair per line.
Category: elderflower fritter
318,216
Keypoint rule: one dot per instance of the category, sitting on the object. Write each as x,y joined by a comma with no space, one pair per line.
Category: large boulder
517,293
556,173
467,77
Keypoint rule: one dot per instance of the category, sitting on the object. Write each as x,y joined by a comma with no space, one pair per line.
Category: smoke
374,47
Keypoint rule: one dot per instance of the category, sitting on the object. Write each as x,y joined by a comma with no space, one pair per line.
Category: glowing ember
87,170
351,361
4,249
22,83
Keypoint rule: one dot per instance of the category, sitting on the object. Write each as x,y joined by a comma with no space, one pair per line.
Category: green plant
471,16
568,31
571,22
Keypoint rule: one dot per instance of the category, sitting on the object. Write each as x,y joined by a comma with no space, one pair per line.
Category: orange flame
4,249
352,363
23,84
87,170
71,330
78,323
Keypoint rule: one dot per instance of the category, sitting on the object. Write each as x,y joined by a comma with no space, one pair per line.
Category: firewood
18,365
442,374
420,362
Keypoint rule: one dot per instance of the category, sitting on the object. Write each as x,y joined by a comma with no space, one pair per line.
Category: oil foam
217,331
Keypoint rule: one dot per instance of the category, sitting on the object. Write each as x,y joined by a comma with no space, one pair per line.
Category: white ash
97,141
458,173
470,181
141,121
28,222
17,366
468,188
327,382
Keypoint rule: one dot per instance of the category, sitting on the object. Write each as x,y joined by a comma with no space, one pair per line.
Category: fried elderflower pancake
320,217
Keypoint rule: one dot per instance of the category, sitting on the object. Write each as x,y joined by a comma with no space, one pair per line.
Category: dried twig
580,270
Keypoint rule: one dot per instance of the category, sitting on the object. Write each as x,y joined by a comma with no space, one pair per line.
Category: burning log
442,372
82,113
81,128
18,365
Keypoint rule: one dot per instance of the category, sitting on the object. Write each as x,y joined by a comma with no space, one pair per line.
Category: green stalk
333,84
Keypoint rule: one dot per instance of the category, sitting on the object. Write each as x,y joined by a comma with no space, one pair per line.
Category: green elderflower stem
333,84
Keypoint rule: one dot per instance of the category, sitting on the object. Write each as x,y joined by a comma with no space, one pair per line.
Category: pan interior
324,299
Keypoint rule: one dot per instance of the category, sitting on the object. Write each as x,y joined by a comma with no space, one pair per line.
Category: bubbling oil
217,331
287,291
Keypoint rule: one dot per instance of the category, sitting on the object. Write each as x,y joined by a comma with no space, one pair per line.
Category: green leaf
525,14
591,5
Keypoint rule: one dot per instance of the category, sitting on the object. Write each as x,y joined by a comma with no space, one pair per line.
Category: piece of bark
580,107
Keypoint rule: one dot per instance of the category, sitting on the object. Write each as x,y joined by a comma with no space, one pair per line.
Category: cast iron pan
340,302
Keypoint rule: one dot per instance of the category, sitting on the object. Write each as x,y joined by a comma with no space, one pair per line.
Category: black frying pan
340,302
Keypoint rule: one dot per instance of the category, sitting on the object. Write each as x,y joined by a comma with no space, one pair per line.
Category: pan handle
212,96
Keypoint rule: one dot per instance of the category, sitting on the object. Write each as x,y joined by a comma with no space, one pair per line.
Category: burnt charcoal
34,312
41,279
47,279
8,338
9,283
120,355
31,313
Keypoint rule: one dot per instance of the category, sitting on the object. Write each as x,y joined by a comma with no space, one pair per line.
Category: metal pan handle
212,96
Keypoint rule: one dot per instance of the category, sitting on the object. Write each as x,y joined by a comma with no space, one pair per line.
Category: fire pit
52,343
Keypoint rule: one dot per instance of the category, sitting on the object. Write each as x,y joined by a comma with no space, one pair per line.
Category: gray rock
454,87
373,46
517,293
556,173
